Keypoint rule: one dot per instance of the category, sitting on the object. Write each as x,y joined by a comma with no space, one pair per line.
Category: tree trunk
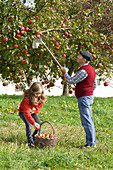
66,86
66,90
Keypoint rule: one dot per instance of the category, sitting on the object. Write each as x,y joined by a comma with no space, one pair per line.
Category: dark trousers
29,126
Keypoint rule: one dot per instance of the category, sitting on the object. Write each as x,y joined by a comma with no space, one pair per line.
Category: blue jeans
29,127
84,105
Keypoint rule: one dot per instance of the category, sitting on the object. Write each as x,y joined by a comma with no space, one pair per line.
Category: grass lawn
63,113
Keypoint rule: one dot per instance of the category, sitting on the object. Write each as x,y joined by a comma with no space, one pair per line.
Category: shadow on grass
12,138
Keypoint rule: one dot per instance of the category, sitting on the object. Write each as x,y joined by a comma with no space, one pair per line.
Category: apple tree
65,26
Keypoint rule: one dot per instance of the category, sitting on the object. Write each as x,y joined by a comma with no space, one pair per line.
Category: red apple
18,31
52,84
15,45
22,28
25,52
41,50
84,43
46,81
111,43
105,67
81,46
70,91
29,22
94,55
90,33
100,45
106,47
18,35
34,65
64,55
63,25
17,87
50,136
27,28
95,42
43,82
37,31
106,84
111,51
99,64
56,44
57,47
21,32
30,78
36,17
63,82
23,61
4,39
66,33
10,19
46,135
66,20
20,73
38,36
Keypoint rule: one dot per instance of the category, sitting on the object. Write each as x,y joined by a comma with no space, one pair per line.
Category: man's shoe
88,146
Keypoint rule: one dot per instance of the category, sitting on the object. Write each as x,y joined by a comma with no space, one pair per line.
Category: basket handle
50,124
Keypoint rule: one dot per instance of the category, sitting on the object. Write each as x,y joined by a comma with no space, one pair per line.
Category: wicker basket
45,142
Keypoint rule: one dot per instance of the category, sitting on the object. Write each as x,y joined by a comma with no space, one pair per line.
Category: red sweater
85,87
25,107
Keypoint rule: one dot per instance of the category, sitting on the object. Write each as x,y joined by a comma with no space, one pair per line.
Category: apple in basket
50,136
46,135
43,135
40,134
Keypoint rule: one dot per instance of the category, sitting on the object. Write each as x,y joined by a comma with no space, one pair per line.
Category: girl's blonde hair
35,87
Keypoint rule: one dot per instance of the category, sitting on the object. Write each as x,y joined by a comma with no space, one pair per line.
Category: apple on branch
27,28
63,25
17,87
4,39
106,84
38,36
99,64
10,19
52,84
22,28
15,45
66,33
41,50
70,91
18,35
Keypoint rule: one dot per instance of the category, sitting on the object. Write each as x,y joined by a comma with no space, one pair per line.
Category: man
85,84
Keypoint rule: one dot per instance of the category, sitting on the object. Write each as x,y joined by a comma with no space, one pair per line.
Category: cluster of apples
44,135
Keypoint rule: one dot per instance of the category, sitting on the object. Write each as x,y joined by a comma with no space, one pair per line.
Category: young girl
31,104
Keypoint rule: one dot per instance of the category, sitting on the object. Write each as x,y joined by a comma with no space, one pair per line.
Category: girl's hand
32,110
36,126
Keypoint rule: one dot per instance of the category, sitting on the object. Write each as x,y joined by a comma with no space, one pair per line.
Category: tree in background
66,27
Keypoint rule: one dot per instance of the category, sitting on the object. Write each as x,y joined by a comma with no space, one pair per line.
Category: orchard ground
62,112
100,91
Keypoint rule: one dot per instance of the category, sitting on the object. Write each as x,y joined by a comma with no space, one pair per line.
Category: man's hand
63,70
